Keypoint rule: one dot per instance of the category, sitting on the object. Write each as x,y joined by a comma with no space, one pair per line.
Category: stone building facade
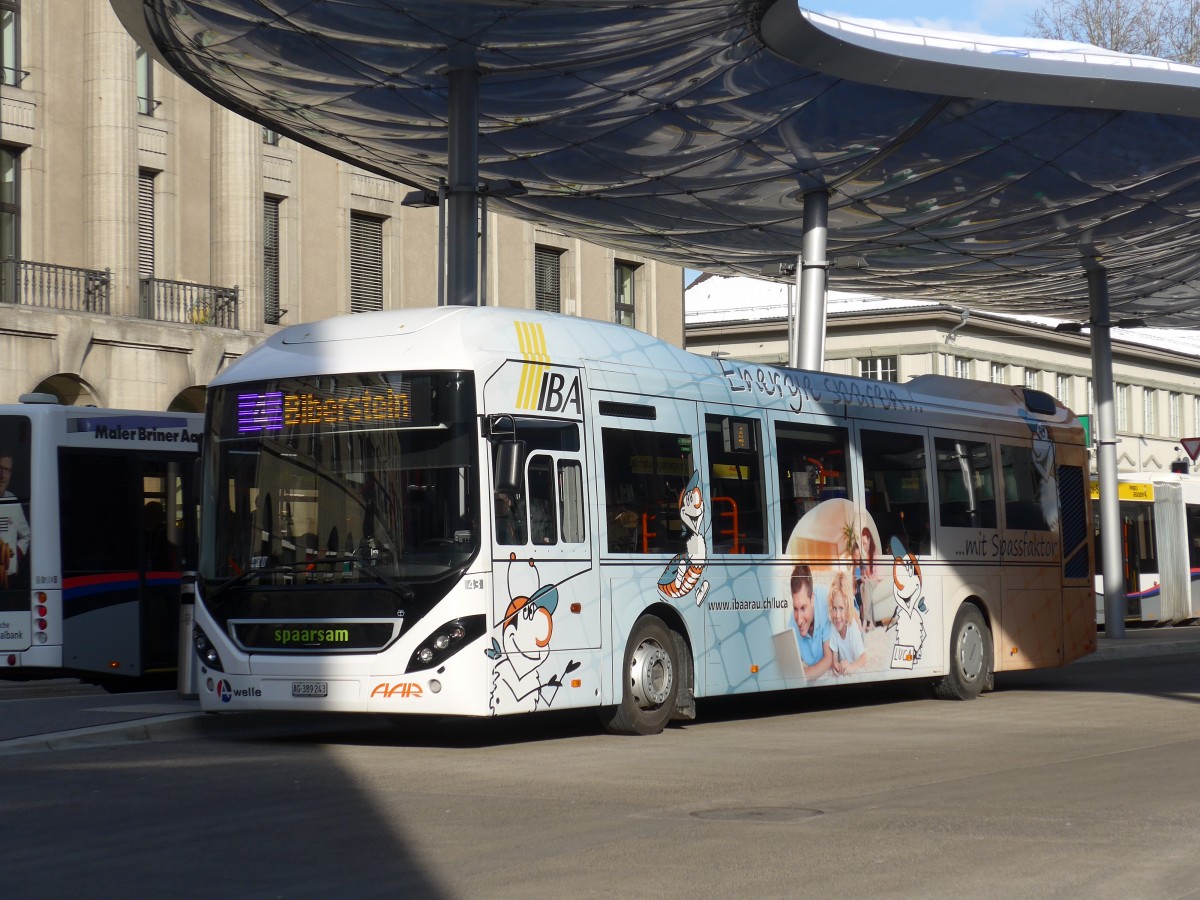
148,236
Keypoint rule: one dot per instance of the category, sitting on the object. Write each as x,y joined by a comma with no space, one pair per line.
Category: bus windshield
341,478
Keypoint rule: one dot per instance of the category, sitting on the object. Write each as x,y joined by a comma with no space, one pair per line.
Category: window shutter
366,263
271,260
145,229
546,279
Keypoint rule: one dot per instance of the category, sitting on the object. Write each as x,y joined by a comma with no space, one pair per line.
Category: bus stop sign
1192,446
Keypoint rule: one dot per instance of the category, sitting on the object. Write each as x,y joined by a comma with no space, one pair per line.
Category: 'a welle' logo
544,386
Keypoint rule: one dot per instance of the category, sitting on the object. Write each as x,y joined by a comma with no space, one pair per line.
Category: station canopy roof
971,169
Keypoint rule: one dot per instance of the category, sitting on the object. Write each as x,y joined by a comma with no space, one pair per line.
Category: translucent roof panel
690,130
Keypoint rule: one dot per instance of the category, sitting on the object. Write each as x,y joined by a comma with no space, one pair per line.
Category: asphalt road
1078,782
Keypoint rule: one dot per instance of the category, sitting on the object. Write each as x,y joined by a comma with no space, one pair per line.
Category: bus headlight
445,641
205,650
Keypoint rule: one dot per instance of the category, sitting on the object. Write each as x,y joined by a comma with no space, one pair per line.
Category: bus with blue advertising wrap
97,522
484,511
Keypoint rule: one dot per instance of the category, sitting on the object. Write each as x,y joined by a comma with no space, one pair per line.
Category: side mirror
510,465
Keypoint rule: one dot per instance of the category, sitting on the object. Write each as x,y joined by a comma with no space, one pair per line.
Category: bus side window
1030,493
897,488
571,501
736,508
812,468
644,475
543,505
966,484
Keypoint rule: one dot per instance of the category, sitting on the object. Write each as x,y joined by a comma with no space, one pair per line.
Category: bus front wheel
970,667
650,684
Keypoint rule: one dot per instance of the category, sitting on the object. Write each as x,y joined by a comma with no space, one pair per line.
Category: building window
962,367
1121,401
1175,415
1149,419
999,374
271,311
145,83
1032,379
366,263
10,219
10,42
880,368
624,278
270,136
547,279
145,230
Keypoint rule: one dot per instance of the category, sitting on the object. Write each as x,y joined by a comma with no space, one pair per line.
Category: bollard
186,682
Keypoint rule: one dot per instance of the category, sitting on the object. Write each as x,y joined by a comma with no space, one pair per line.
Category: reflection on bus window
644,475
1025,497
897,489
966,484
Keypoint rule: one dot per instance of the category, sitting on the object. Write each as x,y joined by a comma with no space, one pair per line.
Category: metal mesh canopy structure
690,131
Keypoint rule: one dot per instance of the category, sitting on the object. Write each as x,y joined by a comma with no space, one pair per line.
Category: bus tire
650,684
970,664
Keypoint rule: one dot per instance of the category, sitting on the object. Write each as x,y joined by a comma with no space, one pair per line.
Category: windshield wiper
243,577
403,591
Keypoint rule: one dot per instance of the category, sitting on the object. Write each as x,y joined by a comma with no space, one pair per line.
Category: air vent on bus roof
627,410
1040,403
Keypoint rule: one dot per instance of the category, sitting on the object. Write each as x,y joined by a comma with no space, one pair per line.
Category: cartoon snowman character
907,619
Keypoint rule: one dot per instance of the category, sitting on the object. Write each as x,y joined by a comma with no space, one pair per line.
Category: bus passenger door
167,536
745,596
545,615
125,526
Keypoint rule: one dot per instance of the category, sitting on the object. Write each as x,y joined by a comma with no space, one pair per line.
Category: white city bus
97,522
1160,547
485,511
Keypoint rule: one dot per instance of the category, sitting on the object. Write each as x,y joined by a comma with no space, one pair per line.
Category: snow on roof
712,299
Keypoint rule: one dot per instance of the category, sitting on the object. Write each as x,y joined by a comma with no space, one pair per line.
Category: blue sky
1003,18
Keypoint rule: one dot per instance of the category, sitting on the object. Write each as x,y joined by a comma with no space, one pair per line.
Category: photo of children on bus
845,613
14,507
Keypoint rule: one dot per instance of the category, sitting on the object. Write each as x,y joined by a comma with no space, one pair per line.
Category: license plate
310,688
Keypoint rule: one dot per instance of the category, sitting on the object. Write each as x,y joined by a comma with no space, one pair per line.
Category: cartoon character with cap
908,617
683,572
524,645
1044,469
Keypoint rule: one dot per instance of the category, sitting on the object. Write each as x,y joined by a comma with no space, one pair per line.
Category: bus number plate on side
310,688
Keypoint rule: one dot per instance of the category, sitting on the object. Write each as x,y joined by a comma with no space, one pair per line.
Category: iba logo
544,387
401,689
226,691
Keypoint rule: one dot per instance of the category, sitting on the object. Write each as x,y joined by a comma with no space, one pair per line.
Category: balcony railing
29,283
189,304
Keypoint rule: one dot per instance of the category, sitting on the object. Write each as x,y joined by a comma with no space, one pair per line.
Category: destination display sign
327,404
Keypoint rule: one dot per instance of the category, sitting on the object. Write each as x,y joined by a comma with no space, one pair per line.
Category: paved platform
60,713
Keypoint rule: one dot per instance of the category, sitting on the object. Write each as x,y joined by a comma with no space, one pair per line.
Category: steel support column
462,265
1106,454
811,277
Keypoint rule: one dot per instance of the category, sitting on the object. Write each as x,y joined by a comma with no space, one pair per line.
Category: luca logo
544,386
226,691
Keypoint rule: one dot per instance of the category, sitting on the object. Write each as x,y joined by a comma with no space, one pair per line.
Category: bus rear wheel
970,668
650,683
